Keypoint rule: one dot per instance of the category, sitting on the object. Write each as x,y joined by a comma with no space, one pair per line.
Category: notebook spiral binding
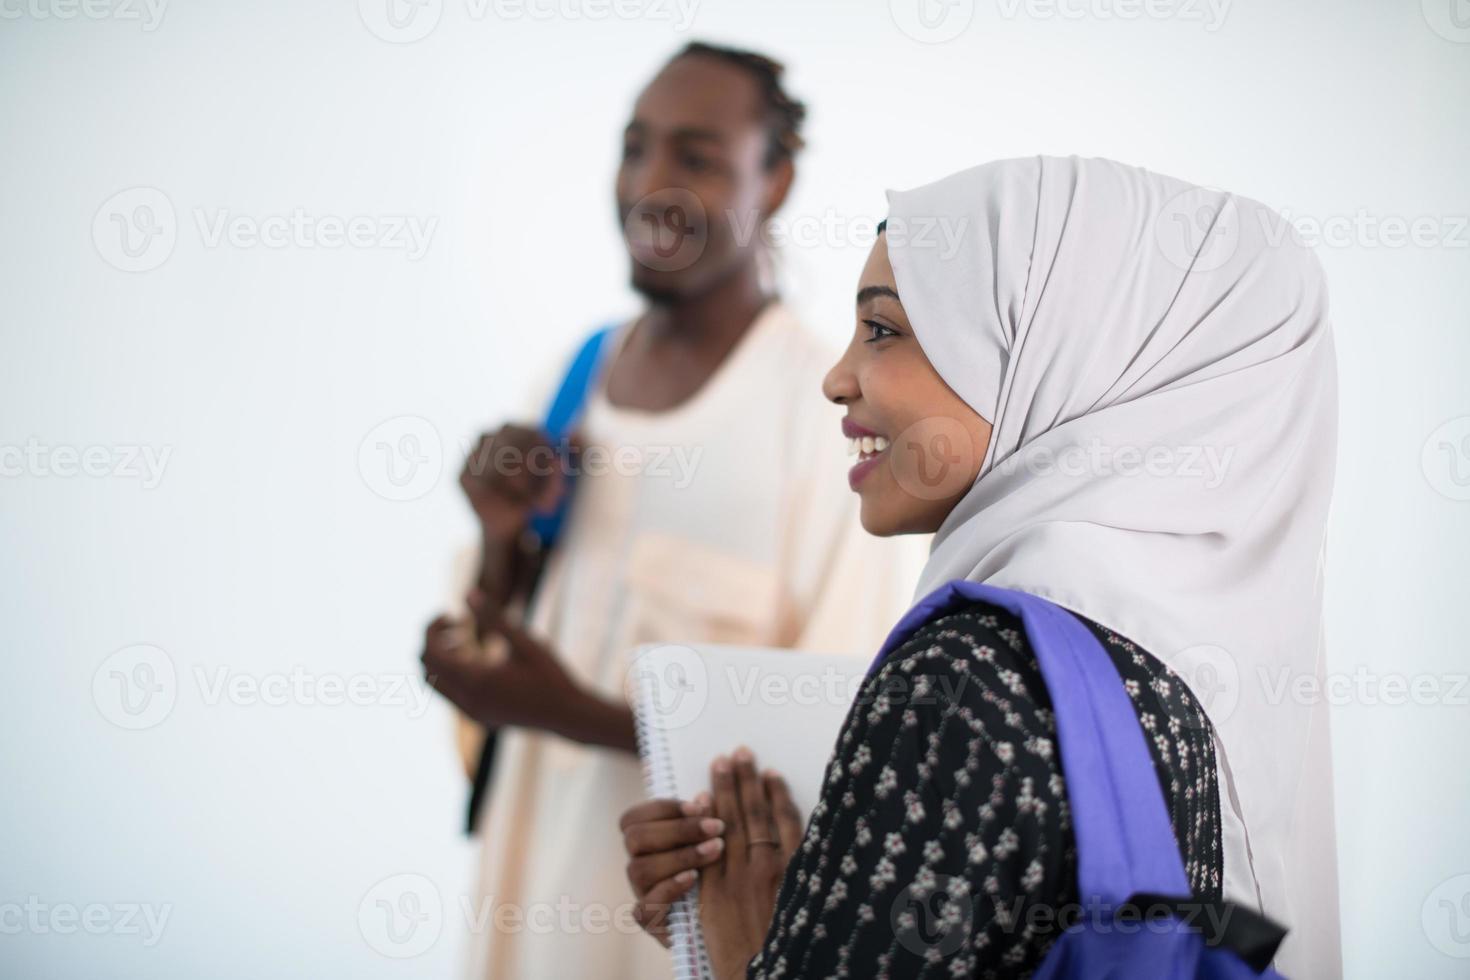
691,958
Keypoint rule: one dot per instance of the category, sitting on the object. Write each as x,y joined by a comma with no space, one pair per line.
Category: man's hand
510,473
524,684
737,893
667,841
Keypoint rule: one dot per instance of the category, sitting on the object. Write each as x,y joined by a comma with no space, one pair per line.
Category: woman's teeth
867,446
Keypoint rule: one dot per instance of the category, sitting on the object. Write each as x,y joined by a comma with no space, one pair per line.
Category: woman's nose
840,386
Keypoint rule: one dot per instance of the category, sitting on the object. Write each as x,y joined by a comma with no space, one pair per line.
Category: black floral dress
942,845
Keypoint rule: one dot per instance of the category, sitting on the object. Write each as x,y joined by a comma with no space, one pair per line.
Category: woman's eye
878,331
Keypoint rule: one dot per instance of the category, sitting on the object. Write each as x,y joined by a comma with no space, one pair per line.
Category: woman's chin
880,518
887,515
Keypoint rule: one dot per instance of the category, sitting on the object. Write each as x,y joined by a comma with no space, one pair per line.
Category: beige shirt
726,519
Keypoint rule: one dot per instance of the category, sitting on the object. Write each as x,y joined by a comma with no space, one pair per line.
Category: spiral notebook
694,702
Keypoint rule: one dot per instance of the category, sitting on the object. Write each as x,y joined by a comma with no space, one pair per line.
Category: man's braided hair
784,114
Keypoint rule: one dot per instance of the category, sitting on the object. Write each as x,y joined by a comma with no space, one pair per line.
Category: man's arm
495,682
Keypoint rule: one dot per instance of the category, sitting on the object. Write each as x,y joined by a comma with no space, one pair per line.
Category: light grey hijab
1157,364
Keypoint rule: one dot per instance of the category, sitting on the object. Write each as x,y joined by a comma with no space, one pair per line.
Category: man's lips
660,233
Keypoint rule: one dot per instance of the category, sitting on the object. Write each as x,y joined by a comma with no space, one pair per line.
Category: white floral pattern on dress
930,863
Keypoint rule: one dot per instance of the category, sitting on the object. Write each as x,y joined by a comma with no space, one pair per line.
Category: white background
269,542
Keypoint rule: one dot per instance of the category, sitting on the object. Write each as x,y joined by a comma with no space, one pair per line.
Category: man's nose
651,176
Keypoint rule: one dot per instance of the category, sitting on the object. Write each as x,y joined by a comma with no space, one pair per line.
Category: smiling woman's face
917,446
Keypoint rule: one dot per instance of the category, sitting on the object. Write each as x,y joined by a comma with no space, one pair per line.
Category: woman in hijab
1117,393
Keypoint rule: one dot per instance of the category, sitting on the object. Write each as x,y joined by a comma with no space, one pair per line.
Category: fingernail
685,877
721,765
711,847
742,754
691,808
705,801
712,827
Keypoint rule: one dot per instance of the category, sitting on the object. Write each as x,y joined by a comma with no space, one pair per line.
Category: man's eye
631,151
697,164
878,331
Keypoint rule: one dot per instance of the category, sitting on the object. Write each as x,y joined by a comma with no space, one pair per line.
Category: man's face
693,186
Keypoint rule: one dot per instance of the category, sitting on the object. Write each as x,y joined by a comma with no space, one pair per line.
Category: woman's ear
778,184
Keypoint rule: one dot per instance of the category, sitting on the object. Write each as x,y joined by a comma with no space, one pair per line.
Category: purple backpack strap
1125,843
1126,852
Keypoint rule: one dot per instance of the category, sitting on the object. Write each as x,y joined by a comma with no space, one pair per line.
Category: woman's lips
862,469
867,445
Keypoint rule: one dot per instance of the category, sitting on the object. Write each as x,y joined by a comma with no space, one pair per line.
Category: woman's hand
667,841
737,892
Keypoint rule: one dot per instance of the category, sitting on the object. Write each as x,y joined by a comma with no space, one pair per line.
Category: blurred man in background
712,520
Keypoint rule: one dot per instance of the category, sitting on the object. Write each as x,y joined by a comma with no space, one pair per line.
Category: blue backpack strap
562,417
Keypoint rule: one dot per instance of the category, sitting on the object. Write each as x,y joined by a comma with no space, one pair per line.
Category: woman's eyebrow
873,292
